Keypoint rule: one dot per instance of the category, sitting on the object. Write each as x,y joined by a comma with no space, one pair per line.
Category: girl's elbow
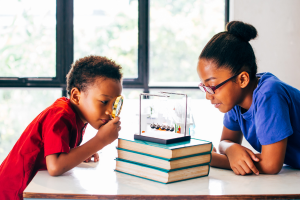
272,168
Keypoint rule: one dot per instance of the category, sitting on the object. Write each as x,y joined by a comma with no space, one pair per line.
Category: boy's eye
104,102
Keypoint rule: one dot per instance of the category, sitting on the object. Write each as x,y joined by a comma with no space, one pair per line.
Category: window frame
65,52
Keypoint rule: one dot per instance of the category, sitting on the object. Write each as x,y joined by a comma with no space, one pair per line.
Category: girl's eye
104,102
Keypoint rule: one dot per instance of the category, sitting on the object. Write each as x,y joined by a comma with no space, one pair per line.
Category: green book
164,163
169,151
159,174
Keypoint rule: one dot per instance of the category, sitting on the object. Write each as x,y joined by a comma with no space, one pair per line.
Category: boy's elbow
54,170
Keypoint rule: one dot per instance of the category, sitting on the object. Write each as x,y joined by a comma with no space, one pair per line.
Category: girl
51,141
259,107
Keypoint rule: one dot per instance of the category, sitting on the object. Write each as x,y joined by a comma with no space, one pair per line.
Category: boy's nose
108,112
209,96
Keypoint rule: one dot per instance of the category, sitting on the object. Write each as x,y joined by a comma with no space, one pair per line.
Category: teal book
164,163
169,151
159,174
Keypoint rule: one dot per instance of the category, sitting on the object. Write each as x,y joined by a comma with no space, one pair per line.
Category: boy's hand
241,160
110,131
96,158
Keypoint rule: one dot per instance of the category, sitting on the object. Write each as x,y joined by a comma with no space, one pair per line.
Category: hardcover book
159,174
164,163
169,151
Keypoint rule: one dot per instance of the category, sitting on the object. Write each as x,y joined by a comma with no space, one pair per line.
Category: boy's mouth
105,121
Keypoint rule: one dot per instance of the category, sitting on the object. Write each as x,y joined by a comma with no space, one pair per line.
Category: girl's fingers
246,168
235,171
240,170
251,165
252,155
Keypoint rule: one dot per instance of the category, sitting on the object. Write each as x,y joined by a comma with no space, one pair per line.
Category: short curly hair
84,71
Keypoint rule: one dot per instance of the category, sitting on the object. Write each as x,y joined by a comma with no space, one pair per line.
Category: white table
100,181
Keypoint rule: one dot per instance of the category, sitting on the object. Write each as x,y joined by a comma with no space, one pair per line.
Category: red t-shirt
55,130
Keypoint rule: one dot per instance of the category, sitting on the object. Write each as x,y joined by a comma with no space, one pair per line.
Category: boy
51,141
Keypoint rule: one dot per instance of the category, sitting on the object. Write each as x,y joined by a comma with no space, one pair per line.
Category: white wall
277,47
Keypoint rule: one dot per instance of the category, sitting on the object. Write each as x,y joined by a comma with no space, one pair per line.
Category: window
27,38
156,42
107,28
178,32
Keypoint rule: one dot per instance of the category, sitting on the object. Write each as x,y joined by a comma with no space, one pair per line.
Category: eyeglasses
211,90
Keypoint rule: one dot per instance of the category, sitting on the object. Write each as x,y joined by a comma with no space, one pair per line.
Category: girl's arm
59,163
272,157
240,159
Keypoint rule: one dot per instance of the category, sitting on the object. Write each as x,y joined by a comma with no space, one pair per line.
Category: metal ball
168,128
172,128
152,125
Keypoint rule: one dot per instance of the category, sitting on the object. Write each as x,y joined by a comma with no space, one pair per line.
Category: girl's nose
209,96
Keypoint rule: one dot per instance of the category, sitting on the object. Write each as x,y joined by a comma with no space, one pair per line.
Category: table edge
87,196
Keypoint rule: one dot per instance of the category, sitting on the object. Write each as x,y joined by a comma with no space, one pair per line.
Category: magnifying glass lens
117,107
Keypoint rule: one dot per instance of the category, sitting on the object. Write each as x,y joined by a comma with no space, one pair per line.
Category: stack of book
164,163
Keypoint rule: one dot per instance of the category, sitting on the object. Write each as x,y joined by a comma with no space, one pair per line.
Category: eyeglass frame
212,89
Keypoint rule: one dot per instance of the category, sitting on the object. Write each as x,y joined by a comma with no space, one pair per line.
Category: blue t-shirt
273,116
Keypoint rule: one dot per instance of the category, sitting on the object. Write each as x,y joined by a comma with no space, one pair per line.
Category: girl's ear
75,95
244,79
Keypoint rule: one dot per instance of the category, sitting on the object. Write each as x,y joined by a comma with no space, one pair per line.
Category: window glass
27,38
107,28
18,108
178,32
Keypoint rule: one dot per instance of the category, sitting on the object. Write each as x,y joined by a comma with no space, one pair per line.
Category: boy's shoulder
61,108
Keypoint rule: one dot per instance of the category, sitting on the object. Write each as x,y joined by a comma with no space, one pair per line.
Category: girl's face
226,96
95,103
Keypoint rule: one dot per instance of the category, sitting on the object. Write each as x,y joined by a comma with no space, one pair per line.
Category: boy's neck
76,109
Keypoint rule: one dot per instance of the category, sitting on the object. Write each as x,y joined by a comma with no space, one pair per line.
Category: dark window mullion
143,43
64,40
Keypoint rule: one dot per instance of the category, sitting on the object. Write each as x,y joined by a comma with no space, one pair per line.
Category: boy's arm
59,163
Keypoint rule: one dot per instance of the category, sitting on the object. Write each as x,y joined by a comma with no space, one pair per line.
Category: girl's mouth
217,105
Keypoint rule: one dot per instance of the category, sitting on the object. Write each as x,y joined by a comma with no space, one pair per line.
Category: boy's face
95,103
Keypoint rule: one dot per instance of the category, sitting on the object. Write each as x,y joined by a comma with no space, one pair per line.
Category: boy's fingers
115,120
252,155
96,157
119,128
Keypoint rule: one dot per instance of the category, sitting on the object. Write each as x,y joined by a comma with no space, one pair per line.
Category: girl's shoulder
269,84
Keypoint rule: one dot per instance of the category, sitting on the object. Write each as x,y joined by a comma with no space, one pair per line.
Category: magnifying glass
117,107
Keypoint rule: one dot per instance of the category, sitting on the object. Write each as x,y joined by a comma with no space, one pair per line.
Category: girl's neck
248,94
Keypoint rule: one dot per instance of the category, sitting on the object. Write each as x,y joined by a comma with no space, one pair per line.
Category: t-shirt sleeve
272,118
230,120
56,133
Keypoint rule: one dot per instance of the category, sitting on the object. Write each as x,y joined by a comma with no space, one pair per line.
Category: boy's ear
75,95
244,79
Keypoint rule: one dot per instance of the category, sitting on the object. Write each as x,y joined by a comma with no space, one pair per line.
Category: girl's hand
96,158
109,132
241,160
